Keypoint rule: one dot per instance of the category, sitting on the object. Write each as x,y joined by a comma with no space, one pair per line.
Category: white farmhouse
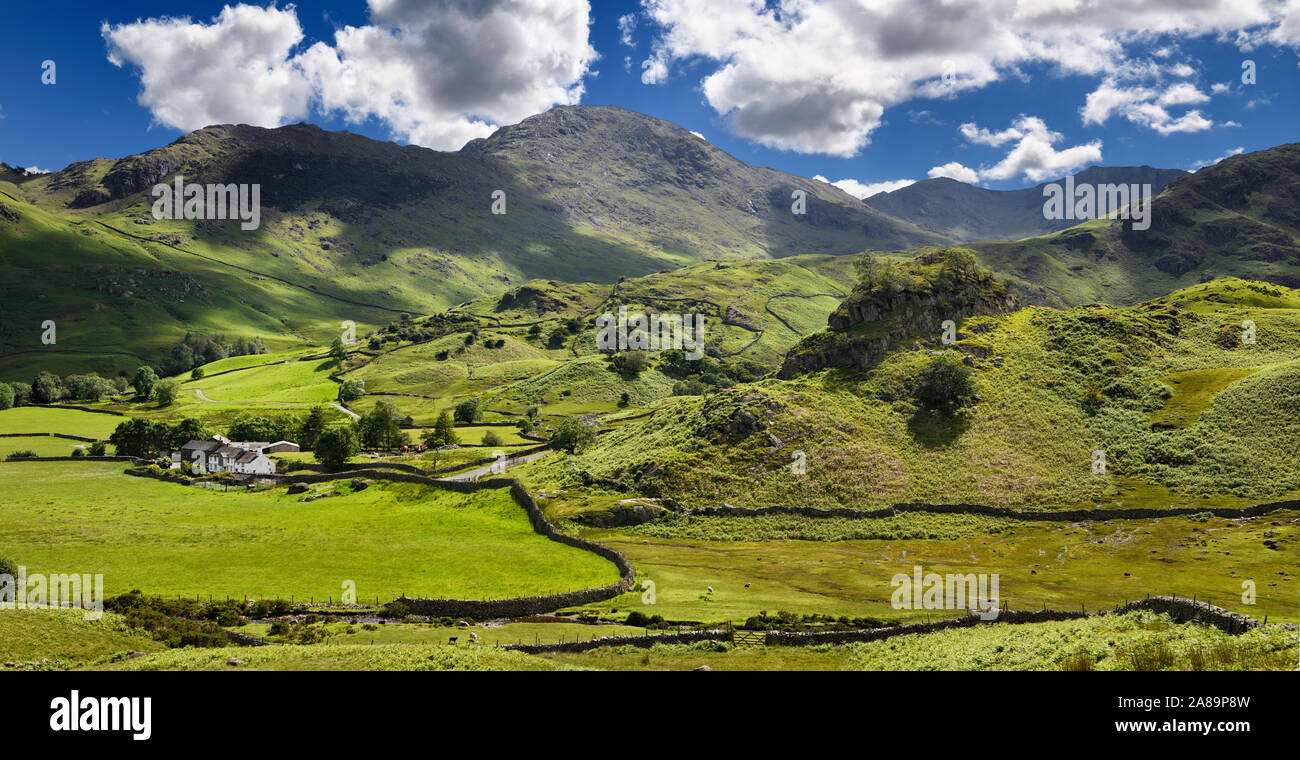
222,455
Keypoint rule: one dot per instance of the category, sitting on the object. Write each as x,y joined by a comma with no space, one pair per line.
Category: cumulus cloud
815,76
438,72
1034,155
697,134
1147,106
237,69
862,190
955,170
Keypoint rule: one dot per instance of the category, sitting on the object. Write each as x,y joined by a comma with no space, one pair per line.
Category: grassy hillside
352,228
1053,387
1237,218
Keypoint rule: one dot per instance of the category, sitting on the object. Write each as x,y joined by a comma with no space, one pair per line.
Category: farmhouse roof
202,445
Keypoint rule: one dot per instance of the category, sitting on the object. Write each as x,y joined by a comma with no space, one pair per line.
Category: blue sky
862,91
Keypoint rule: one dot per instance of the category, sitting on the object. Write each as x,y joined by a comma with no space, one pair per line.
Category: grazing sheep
473,637
710,589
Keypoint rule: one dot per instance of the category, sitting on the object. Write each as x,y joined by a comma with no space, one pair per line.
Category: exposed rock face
874,319
626,512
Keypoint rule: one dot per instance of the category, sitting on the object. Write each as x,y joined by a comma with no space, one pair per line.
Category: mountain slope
968,213
1240,218
366,229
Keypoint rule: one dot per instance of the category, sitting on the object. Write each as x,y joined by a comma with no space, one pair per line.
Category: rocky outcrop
911,301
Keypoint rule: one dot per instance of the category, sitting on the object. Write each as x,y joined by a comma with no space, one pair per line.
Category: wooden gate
752,638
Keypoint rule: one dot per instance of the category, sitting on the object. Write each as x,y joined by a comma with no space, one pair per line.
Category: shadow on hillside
935,429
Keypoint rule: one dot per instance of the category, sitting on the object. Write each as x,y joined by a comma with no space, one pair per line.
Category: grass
1135,641
337,657
36,419
1057,565
388,539
1054,386
43,445
425,633
66,636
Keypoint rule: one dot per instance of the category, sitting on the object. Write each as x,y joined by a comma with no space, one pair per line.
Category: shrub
352,390
572,435
490,438
24,454
78,452
944,384
468,411
397,610
197,373
98,449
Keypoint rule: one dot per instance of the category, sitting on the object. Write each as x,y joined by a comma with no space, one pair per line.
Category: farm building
222,455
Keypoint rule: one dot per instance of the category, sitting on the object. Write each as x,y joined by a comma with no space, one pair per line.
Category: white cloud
816,76
862,190
236,69
697,134
1034,155
36,170
1233,152
627,28
438,72
1147,106
955,170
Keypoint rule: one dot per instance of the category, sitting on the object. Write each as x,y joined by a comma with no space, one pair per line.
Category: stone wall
1062,515
1181,610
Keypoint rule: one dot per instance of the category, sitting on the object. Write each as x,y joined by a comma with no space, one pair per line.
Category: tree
90,387
144,382
98,448
311,428
443,432
624,399
945,384
251,427
490,438
352,390
336,445
468,411
631,362
197,373
379,428
339,350
532,412
188,429
524,424
557,338
22,393
46,388
572,435
140,438
6,396
166,391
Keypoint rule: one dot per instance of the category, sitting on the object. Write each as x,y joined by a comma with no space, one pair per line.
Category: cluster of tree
196,349
944,385
138,437
405,329
47,388
302,430
443,432
698,376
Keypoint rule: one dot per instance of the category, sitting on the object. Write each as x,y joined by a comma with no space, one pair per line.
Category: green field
339,657
1056,565
389,539
34,419
65,635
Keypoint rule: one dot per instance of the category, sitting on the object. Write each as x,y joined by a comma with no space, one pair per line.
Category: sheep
710,589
